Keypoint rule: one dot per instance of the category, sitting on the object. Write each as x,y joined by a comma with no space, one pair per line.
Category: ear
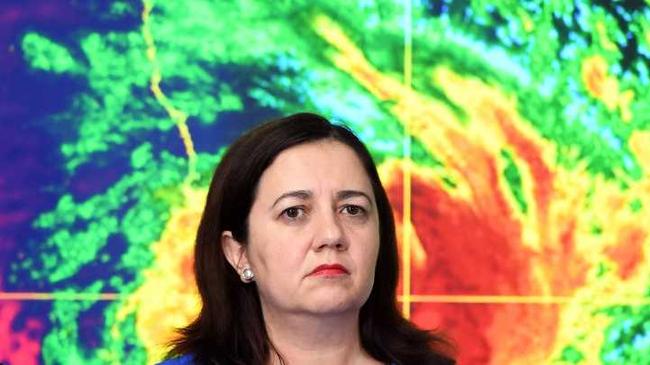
234,251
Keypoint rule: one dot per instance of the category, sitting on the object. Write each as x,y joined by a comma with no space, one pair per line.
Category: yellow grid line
178,116
406,170
525,299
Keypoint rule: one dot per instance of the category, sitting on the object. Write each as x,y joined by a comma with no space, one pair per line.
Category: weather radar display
513,139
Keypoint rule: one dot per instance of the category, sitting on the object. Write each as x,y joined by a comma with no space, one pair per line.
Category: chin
329,303
333,309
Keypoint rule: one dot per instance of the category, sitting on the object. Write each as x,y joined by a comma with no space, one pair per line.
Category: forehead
319,166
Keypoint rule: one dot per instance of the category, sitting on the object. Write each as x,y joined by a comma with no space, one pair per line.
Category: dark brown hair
230,327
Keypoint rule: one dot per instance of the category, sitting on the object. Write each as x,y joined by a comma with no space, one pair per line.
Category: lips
329,270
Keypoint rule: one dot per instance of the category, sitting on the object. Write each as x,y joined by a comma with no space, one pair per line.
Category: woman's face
314,206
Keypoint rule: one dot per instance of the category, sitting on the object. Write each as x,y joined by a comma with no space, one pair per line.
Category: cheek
367,249
276,271
276,257
277,260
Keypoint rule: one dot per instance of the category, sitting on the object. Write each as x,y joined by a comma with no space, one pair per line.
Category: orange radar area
576,240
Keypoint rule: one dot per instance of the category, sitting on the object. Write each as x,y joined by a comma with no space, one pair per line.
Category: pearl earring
247,275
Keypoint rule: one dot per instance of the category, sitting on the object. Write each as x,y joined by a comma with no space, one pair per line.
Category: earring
247,275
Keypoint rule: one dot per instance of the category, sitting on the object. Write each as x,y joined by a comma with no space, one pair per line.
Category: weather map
513,139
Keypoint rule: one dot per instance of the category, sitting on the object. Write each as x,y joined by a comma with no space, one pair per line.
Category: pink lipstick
329,270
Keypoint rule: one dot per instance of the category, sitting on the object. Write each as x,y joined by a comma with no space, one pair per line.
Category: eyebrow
306,194
300,194
346,194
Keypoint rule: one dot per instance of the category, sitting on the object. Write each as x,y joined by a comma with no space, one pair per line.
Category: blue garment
181,360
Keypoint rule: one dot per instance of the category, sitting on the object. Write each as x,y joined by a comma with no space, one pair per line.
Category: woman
296,257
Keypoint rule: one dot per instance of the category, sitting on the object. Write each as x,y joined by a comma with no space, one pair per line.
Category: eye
353,210
293,213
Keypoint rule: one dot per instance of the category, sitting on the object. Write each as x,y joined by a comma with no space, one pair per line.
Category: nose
329,233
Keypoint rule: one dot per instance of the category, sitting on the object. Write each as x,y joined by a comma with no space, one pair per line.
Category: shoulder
180,360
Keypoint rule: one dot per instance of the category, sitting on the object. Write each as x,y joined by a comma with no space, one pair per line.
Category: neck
316,339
